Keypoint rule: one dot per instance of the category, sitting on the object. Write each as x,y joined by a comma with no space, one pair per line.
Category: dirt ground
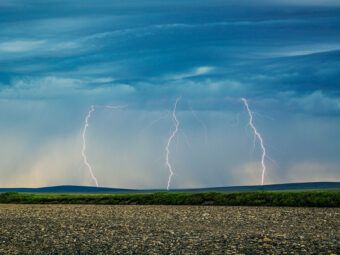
105,229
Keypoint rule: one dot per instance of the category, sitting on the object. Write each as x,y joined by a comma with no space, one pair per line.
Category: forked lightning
257,136
172,136
86,125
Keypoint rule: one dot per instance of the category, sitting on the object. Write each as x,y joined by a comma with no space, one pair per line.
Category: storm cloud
59,58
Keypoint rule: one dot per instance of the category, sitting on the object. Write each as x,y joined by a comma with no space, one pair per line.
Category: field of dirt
103,229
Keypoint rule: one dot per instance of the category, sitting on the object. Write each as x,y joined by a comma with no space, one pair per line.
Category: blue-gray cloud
59,57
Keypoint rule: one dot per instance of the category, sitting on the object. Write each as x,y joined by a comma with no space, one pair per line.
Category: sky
58,57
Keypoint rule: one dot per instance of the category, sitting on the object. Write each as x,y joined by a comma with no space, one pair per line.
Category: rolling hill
91,189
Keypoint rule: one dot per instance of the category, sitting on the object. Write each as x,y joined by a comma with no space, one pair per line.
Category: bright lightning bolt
172,136
258,136
86,125
83,151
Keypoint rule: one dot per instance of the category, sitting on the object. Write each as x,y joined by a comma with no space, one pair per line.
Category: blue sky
57,58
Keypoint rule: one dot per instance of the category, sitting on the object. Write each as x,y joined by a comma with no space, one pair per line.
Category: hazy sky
57,58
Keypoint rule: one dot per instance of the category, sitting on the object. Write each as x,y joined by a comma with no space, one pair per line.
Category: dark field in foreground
315,198
108,229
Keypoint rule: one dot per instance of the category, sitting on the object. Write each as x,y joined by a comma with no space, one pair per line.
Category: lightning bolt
258,136
83,150
172,136
86,125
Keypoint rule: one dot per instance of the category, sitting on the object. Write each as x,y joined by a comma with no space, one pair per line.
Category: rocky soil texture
104,229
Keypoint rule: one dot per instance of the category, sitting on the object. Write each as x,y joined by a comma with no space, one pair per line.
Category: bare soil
105,229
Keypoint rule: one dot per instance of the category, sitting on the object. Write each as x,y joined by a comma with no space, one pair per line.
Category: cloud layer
58,58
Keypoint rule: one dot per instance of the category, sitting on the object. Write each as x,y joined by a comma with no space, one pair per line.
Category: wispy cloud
198,71
59,87
304,50
19,46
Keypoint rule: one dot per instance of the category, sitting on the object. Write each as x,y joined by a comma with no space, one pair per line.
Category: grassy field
329,198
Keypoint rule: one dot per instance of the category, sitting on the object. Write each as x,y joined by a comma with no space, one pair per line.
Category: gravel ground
104,229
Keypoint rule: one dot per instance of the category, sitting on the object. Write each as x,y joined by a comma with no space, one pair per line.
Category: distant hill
67,189
90,189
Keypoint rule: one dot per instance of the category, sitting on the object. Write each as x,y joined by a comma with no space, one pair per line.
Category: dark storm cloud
242,43
58,57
